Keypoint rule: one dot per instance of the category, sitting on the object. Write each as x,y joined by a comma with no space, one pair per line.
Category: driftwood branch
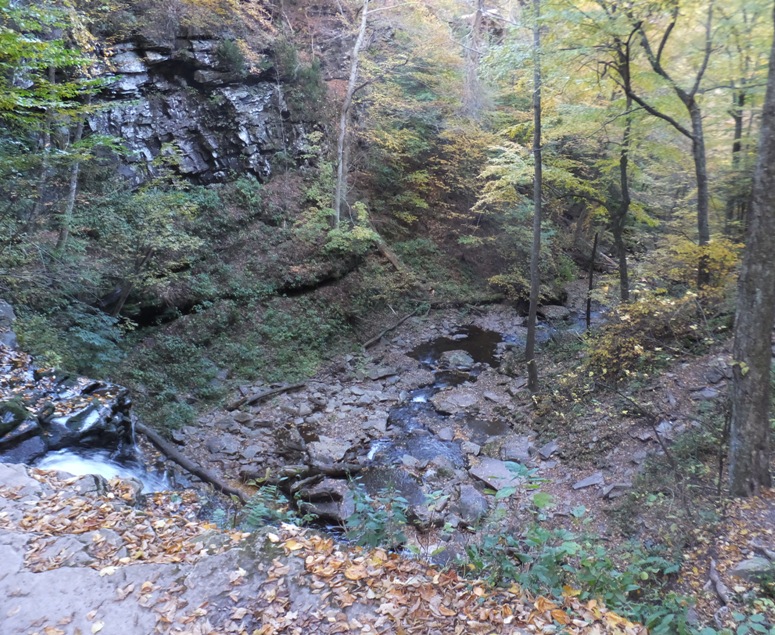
253,399
188,465
374,340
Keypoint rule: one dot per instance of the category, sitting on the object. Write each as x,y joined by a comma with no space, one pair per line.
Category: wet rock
546,451
12,415
454,401
494,473
595,479
460,360
471,506
517,448
469,447
446,434
554,312
327,450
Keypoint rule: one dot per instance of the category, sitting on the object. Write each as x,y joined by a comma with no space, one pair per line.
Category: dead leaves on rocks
381,592
163,531
300,582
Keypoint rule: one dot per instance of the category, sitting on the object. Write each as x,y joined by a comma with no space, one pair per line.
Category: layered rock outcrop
193,107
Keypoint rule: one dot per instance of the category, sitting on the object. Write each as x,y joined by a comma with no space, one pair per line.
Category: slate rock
495,474
472,505
460,360
554,312
548,449
615,490
469,447
380,372
705,394
326,450
595,479
446,434
517,448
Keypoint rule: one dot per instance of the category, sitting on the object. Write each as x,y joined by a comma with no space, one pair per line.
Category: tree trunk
703,192
749,443
344,118
535,282
67,216
624,206
735,205
472,100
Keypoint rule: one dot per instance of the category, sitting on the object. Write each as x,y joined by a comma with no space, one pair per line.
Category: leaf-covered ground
116,565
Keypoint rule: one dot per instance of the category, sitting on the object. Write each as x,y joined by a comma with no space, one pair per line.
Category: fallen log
251,400
187,464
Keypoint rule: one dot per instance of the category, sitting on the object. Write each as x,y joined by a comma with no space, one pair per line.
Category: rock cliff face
187,106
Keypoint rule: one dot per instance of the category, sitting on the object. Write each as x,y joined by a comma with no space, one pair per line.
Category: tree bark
749,442
67,216
344,118
472,101
535,281
624,205
703,192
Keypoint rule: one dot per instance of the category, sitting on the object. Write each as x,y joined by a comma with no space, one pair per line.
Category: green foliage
378,521
355,239
631,580
303,87
231,56
74,337
269,506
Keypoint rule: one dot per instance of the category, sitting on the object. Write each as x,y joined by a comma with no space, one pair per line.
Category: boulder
755,569
459,360
472,505
554,312
326,450
517,448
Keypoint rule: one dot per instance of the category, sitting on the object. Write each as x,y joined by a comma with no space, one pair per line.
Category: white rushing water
99,462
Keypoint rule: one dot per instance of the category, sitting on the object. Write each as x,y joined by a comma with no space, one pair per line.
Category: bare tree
344,117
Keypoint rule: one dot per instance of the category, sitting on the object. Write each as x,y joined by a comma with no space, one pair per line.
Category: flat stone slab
596,479
495,474
547,450
454,401
327,450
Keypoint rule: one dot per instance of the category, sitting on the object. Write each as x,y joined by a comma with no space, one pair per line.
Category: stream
426,442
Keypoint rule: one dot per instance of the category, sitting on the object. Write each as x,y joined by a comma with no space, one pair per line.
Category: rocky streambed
429,415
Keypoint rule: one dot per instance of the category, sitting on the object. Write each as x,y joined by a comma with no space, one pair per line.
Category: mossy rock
12,415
